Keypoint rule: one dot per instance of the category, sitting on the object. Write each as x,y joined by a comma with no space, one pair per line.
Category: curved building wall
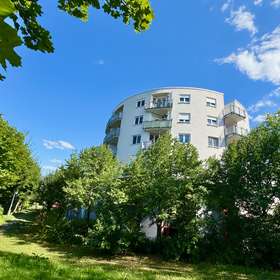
189,114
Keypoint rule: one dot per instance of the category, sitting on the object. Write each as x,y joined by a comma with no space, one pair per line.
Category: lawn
22,258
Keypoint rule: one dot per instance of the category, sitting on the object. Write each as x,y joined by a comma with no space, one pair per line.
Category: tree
51,190
19,172
244,195
27,30
164,184
97,171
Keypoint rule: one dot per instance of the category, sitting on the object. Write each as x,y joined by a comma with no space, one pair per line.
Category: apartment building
192,115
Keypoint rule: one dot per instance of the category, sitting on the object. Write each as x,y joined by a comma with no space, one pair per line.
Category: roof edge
165,88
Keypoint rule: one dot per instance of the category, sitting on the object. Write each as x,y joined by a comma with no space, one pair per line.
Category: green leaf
8,41
6,8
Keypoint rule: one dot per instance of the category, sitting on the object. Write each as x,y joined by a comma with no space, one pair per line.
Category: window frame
210,104
184,134
138,120
185,96
213,141
180,120
211,118
140,103
137,139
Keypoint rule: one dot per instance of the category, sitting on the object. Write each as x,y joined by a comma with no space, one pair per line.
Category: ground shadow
84,261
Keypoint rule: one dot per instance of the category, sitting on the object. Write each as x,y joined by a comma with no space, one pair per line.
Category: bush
54,227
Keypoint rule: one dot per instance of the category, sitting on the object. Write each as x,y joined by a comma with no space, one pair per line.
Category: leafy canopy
18,170
27,30
245,194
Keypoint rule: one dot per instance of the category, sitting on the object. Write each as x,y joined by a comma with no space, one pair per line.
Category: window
140,103
136,139
212,121
211,102
185,138
138,120
213,142
184,118
186,98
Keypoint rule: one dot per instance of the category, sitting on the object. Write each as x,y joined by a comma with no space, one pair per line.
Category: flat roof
166,88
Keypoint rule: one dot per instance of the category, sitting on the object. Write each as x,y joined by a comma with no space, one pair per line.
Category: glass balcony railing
112,136
146,145
232,109
235,130
160,104
157,124
114,120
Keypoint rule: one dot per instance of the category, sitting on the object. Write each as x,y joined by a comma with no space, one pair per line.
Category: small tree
96,170
19,172
164,183
244,191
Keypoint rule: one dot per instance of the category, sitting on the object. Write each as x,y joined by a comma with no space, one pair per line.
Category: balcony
145,145
159,106
157,125
233,113
114,121
112,136
234,133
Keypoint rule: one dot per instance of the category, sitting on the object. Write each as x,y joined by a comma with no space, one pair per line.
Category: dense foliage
244,199
223,210
27,30
19,172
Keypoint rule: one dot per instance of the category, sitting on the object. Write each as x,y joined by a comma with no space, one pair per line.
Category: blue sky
63,100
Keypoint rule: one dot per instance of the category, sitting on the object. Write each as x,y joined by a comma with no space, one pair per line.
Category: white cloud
56,161
260,60
261,104
61,145
266,102
258,2
226,5
259,118
275,93
275,3
47,169
242,19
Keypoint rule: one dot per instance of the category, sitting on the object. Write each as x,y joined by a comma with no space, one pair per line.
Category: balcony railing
146,145
235,130
160,104
112,136
232,109
157,124
115,119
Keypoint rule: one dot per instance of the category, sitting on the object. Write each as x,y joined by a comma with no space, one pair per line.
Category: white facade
194,115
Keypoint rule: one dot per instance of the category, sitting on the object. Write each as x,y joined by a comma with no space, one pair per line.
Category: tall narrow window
140,103
136,139
212,121
184,118
211,102
138,120
213,142
185,98
185,138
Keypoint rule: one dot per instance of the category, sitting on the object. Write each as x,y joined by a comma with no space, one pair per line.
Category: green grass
23,258
5,218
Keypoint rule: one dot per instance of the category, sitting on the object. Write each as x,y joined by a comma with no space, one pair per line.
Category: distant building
192,115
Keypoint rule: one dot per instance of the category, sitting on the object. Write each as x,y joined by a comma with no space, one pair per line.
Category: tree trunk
88,216
17,206
11,204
